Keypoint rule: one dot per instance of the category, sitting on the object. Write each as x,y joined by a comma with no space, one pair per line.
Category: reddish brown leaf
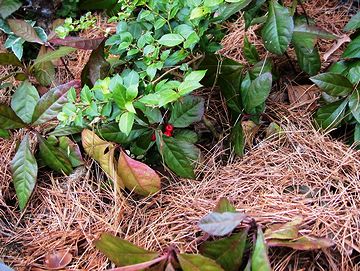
302,243
138,176
78,42
24,30
57,260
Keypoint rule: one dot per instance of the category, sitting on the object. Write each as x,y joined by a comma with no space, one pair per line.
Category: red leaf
78,42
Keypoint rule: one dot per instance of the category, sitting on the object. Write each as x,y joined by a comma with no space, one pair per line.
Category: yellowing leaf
302,243
285,231
138,176
103,152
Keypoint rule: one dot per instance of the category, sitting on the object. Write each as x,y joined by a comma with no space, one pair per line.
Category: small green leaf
126,122
187,111
51,103
220,224
333,84
250,52
4,133
71,150
171,40
24,100
354,23
354,75
224,205
24,30
8,118
228,252
7,7
353,49
196,262
195,76
54,157
24,172
53,55
122,252
354,104
9,59
259,259
278,29
238,139
187,87
330,116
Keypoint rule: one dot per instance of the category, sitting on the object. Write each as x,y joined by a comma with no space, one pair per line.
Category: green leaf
196,262
224,205
24,100
126,122
9,59
54,157
278,29
353,49
51,103
24,172
71,150
8,118
258,92
24,30
175,155
137,176
4,133
7,7
212,3
195,76
119,95
53,55
171,40
122,252
259,259
354,104
354,75
250,52
65,131
314,32
333,84
238,139
330,116
220,224
228,252
187,111
187,87
226,11
186,135
354,23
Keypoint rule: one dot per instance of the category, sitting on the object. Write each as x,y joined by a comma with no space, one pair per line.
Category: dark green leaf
24,172
220,224
186,111
24,30
186,135
330,116
79,42
111,132
238,139
311,31
228,252
96,68
258,92
4,133
9,59
8,118
55,158
171,40
333,84
252,11
196,262
7,7
250,52
224,205
278,29
24,100
353,49
259,259
354,23
122,252
227,10
354,75
53,55
354,104
65,131
51,103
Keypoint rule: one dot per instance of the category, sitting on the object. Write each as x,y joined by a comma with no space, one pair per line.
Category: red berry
153,137
168,133
169,127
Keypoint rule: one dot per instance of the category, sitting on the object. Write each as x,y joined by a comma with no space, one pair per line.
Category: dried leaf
137,176
285,231
250,129
102,152
302,243
303,95
57,260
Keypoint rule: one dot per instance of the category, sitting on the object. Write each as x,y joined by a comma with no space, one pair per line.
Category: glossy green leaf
171,40
7,7
226,11
24,172
311,31
9,59
330,116
186,135
228,252
224,205
220,224
353,49
111,132
302,243
4,133
196,262
71,150
122,252
53,55
250,52
187,111
8,118
24,30
137,176
354,104
51,103
65,131
278,29
354,23
126,122
24,100
260,259
333,84
54,157
354,75
258,92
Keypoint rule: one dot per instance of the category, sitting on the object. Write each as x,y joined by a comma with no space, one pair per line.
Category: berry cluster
168,132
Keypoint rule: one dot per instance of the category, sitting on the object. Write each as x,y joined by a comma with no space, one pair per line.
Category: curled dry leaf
285,231
137,176
57,260
302,243
103,152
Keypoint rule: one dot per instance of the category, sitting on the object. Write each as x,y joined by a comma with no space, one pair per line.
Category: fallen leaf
343,39
303,95
57,260
302,243
285,231
250,129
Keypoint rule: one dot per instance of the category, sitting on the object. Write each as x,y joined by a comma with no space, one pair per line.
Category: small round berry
168,133
153,137
169,127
